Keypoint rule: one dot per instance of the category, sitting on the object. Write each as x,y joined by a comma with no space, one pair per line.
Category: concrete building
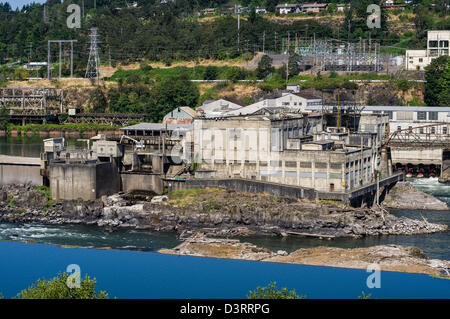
293,102
217,108
342,7
314,7
418,136
89,180
437,45
288,8
293,150
260,10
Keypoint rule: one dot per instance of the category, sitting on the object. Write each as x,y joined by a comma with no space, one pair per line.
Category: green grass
179,194
47,194
192,73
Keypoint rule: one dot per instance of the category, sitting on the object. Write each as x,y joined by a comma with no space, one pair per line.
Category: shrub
272,292
57,288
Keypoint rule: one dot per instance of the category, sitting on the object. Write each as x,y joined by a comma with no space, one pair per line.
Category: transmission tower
92,71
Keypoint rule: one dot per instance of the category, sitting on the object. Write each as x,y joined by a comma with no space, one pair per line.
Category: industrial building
293,150
437,45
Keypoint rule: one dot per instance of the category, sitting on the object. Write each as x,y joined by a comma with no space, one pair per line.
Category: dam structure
418,137
302,155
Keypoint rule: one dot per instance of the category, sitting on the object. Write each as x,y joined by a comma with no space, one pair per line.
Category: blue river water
133,274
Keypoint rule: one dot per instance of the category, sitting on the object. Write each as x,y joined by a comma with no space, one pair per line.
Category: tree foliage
437,88
272,292
97,101
4,118
57,288
264,67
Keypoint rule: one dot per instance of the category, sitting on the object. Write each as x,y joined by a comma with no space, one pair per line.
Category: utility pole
60,42
276,46
92,69
264,41
30,45
60,64
289,42
386,54
239,12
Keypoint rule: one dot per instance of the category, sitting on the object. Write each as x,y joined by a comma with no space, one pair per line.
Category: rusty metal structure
429,136
113,119
31,100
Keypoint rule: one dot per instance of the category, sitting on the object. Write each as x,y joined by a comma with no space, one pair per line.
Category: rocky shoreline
215,212
388,257
405,196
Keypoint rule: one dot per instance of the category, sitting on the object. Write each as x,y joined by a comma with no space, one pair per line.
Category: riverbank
388,257
216,212
405,196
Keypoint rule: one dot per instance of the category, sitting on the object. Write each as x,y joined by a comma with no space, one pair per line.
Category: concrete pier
20,170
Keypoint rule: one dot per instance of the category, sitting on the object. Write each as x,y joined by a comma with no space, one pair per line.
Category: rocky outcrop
216,212
202,246
387,257
405,196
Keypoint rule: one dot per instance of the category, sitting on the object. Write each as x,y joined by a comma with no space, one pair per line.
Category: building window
421,116
391,115
433,44
444,130
421,130
443,43
399,128
433,116
420,60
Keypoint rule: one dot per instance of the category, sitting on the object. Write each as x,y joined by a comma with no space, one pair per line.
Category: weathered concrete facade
141,182
20,170
281,151
88,181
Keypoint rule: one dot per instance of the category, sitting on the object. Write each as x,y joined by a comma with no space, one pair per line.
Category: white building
260,10
218,108
437,45
296,102
288,8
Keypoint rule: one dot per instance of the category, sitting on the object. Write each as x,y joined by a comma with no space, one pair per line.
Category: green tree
4,118
211,73
57,288
264,67
97,101
272,292
437,88
293,64
170,93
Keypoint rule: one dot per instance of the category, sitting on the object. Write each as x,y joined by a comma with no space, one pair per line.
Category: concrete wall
20,174
142,182
253,149
88,181
406,155
242,185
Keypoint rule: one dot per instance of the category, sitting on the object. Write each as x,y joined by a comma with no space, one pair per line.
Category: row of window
434,44
422,130
317,175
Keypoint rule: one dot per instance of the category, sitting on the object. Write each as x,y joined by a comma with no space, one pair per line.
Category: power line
94,60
